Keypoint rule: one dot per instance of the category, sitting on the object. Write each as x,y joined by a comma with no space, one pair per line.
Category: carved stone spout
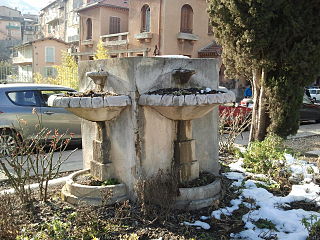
99,78
182,75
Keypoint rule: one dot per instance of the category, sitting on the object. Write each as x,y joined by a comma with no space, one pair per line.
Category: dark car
309,111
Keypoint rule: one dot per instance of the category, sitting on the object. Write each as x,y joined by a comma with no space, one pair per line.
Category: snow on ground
267,206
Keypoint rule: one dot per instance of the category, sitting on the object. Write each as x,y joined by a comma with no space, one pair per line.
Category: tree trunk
258,125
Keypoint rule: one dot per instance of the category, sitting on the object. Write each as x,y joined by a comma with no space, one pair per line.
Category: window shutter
114,26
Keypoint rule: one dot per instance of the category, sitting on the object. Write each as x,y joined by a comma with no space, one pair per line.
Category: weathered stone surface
212,98
52,100
102,171
97,102
86,102
64,102
75,193
190,100
166,100
75,102
153,100
201,99
115,101
178,100
143,99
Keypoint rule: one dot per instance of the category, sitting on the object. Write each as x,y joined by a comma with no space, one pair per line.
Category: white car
315,94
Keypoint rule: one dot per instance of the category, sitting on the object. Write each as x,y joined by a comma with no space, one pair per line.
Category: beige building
10,24
38,56
147,28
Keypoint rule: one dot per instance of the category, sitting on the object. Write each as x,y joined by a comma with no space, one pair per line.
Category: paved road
73,163
305,130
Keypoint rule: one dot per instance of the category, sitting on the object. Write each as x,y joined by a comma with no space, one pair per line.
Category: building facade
10,24
39,56
147,28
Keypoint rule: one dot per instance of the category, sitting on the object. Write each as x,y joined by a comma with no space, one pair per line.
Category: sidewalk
305,130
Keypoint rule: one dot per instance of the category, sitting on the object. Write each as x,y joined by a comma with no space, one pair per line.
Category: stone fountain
155,121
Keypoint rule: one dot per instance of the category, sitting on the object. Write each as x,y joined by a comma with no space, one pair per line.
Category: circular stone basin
75,193
185,107
95,109
198,197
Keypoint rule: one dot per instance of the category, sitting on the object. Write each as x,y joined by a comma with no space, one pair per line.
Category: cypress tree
277,44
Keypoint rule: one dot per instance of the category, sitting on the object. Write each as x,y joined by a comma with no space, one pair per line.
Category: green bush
312,224
267,157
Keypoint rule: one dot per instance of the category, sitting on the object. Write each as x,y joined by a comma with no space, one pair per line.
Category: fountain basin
185,107
95,109
198,197
75,193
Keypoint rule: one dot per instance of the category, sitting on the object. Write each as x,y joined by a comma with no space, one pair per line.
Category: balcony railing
116,39
22,60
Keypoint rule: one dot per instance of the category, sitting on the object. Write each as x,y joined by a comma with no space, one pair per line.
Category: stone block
166,100
116,101
75,102
202,99
52,100
178,100
101,171
86,102
212,98
64,102
97,102
154,100
190,100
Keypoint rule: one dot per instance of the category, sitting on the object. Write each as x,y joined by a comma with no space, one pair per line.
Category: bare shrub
32,159
157,194
232,123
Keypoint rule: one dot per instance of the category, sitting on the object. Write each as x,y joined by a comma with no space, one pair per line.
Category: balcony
74,38
21,60
13,27
144,36
88,43
52,17
182,36
116,39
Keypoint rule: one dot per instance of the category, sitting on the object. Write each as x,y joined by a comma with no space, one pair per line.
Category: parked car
315,94
24,105
309,110
232,114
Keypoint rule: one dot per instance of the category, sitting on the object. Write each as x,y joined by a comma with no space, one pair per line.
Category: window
114,25
89,29
186,19
50,54
145,19
23,98
49,72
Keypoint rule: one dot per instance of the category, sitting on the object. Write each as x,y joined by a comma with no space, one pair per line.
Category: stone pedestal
185,157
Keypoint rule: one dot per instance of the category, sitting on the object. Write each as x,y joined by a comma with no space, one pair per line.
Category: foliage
67,73
276,43
267,157
312,224
265,223
101,52
111,181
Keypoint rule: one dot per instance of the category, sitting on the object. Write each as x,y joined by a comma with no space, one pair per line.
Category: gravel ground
304,145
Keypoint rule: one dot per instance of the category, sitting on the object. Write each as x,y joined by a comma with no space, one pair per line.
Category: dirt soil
304,145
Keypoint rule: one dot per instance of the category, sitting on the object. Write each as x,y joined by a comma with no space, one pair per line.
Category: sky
38,4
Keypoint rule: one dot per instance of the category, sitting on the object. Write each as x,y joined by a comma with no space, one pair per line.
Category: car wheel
7,142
